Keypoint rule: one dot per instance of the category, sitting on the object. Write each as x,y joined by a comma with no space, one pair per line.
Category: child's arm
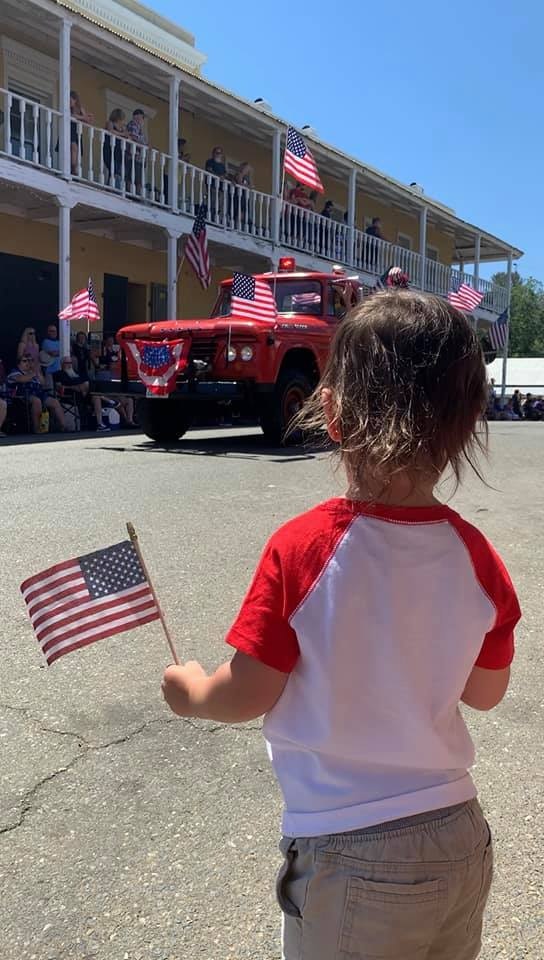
484,689
242,689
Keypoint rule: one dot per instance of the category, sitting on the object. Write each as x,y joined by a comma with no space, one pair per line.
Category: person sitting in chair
28,382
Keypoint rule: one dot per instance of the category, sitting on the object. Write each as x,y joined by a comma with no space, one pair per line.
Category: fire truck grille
203,349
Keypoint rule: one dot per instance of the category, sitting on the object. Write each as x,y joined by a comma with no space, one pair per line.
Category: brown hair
408,385
116,115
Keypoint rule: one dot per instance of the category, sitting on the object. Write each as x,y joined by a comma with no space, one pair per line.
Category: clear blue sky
448,95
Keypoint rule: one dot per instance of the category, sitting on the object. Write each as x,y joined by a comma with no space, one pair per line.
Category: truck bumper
190,390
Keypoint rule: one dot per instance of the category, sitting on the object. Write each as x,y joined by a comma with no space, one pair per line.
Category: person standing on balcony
242,178
375,229
217,167
78,113
113,150
136,132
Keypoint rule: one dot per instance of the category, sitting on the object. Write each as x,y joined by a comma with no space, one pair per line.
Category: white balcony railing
29,133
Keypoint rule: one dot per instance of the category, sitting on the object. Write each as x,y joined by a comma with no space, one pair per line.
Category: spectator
242,178
29,386
113,149
507,412
375,229
107,359
327,209
530,409
78,113
517,404
83,364
243,175
70,380
28,344
184,157
136,132
216,163
50,349
3,398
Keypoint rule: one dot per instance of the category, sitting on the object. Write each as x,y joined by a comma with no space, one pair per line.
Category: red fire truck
256,369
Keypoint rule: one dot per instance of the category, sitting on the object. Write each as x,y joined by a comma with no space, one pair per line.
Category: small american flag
80,601
196,248
465,298
298,161
308,299
498,332
252,298
83,305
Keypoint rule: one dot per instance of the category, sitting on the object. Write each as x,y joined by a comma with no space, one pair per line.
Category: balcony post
276,185
64,273
172,274
352,202
173,127
476,261
422,246
65,161
506,345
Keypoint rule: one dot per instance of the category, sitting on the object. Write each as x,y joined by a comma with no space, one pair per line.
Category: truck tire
163,420
291,390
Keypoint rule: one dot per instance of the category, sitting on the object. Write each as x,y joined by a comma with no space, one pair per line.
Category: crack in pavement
88,747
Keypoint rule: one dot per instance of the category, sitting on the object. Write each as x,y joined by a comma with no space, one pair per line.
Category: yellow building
79,200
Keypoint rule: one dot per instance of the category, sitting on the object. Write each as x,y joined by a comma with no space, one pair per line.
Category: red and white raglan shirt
378,614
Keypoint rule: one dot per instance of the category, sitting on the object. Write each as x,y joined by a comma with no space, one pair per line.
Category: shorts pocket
286,881
486,877
388,921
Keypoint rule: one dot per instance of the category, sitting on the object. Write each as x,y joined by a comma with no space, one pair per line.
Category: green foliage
526,315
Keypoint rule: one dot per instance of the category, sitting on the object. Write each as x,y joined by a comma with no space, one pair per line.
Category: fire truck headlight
246,353
231,354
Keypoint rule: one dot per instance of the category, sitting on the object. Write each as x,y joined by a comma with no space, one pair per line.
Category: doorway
137,303
115,303
29,298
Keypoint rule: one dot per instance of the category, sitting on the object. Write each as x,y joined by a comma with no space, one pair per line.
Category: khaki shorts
411,889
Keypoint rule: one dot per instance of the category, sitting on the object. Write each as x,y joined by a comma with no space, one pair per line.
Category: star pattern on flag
243,286
296,144
156,356
111,570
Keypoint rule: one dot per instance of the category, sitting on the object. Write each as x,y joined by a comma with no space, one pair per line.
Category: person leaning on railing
113,150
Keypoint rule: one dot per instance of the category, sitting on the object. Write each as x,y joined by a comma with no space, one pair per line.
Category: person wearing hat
136,132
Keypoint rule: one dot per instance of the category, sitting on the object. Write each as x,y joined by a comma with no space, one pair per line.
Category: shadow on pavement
235,447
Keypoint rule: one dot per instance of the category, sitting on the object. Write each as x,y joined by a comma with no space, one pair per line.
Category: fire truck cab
257,369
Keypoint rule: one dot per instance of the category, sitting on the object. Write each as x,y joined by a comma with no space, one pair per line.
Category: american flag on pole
251,298
465,298
298,161
92,597
498,332
196,248
83,305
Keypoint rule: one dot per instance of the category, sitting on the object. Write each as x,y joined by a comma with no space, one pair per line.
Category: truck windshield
292,296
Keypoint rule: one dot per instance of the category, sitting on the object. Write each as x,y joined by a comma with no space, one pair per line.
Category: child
368,619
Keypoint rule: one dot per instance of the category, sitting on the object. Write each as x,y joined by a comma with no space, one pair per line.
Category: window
431,253
403,240
32,78
292,296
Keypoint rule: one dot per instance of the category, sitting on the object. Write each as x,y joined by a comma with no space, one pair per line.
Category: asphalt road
127,834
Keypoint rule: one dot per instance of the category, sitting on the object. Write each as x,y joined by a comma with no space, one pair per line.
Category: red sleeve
291,564
497,650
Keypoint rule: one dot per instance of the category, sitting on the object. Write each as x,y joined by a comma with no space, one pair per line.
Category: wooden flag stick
134,540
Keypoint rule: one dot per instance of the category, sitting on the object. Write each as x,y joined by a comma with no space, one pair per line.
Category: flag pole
134,540
281,213
181,262
507,338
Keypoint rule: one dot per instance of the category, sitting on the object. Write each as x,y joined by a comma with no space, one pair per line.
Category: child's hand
177,684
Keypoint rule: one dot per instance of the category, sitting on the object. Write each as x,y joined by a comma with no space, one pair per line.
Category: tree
526,315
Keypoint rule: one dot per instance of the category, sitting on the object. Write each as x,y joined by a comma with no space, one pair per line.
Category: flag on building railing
89,598
159,364
465,298
393,277
83,305
498,332
298,161
196,248
251,298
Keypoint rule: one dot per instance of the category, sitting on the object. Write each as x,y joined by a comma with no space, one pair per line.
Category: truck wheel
163,420
290,392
